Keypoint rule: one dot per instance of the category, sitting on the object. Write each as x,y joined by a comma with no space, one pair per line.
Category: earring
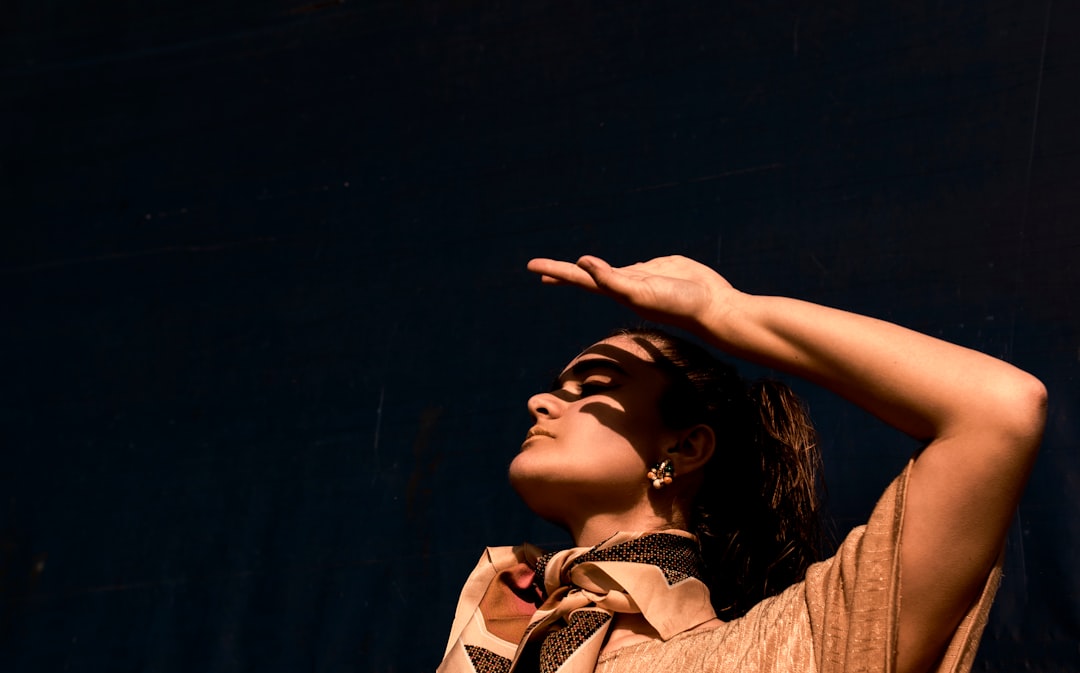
661,474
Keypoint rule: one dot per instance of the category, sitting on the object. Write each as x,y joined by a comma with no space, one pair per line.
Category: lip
537,430
534,432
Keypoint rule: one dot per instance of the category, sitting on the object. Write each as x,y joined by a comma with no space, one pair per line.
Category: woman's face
595,435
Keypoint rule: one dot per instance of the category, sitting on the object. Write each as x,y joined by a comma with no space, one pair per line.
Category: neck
593,530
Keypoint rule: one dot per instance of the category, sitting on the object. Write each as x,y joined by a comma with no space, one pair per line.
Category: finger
607,279
555,272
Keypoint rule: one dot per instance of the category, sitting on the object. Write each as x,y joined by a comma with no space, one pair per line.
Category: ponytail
757,514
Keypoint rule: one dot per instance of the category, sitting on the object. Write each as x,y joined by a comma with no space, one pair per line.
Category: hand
674,290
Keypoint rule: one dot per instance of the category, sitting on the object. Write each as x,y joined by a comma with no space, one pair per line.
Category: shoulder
775,630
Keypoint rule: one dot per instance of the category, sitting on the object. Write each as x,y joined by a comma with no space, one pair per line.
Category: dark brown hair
757,514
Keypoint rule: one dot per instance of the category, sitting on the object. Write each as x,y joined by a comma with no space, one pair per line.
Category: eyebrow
583,368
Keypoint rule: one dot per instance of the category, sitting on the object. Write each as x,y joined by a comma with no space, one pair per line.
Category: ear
695,448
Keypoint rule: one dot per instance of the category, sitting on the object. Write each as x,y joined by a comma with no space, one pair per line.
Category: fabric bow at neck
519,607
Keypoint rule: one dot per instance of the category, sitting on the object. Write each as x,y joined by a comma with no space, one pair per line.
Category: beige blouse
840,619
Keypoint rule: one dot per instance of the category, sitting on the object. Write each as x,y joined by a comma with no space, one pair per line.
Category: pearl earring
661,474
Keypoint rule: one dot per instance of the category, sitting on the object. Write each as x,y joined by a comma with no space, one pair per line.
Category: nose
544,404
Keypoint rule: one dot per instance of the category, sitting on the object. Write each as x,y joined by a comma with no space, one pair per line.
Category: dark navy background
267,333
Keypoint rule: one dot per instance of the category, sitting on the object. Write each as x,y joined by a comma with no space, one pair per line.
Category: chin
533,465
540,489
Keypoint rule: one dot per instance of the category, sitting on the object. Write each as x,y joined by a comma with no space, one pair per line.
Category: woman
642,444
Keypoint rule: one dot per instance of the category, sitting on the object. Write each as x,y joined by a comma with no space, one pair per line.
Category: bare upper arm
962,492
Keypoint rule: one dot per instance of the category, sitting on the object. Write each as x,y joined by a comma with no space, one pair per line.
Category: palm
674,290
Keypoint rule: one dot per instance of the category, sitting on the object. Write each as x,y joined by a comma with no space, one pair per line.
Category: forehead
623,351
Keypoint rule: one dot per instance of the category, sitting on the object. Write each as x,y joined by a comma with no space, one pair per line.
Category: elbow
1021,405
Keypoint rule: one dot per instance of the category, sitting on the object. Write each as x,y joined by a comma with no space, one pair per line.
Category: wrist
729,315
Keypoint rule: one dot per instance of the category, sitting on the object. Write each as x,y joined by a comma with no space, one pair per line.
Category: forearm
921,385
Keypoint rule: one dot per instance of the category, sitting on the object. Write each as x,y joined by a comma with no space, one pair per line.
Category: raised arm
982,418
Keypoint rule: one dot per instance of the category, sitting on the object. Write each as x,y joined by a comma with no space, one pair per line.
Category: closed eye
595,375
595,388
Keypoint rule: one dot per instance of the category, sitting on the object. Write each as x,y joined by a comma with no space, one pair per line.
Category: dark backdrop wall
267,334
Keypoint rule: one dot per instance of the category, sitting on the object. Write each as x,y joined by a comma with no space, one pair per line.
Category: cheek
634,423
